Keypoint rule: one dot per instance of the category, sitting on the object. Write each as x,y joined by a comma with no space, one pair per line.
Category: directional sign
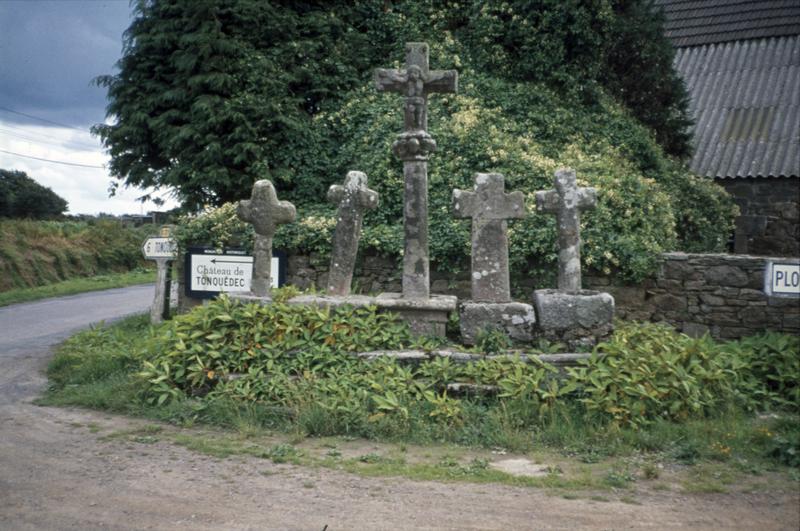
158,247
209,272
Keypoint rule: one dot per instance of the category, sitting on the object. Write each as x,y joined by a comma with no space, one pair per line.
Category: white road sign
157,247
783,279
220,272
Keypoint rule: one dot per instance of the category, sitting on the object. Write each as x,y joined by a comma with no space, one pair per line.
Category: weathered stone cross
566,202
352,199
489,207
415,83
413,146
265,213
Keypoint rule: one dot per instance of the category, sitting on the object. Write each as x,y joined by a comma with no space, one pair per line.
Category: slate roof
695,22
741,64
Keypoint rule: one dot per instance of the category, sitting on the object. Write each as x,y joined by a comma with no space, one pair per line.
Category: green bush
650,371
771,376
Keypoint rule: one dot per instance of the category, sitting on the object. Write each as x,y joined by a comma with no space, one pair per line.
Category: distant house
740,60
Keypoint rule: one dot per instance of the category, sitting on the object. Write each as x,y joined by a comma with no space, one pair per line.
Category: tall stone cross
265,213
352,199
566,202
489,207
413,146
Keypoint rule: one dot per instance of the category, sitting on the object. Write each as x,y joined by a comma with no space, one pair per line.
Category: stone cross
489,207
415,82
265,213
352,199
566,202
413,146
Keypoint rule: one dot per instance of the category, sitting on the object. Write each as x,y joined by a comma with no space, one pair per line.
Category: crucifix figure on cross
489,207
415,82
265,213
352,200
566,202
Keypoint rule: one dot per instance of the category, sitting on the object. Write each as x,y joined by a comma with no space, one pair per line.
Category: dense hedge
35,253
647,204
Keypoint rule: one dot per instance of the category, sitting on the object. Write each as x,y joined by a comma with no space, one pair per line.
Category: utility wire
66,143
45,135
53,161
40,119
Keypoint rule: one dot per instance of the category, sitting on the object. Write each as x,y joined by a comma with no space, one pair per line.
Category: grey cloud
51,50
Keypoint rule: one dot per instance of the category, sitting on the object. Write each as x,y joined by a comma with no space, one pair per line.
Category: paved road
29,330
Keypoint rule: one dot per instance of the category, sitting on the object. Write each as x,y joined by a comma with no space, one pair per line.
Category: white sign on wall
782,279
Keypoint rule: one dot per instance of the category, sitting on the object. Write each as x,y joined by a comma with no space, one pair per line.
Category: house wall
769,224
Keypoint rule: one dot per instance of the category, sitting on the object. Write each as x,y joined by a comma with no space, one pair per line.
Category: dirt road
66,469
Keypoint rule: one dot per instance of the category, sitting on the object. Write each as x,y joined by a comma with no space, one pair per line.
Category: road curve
29,330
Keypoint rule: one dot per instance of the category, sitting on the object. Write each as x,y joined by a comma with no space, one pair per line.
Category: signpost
162,249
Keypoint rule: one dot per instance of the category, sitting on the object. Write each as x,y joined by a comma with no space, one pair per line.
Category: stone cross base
425,317
578,319
515,319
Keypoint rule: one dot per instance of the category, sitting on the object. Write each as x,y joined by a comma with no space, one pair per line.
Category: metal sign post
162,249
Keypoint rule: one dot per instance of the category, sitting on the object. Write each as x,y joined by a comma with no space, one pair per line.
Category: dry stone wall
717,293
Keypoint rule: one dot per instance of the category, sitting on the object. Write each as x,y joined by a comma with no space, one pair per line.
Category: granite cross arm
489,207
265,213
566,202
352,200
415,82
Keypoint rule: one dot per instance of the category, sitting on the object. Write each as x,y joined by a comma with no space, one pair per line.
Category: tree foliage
214,94
22,197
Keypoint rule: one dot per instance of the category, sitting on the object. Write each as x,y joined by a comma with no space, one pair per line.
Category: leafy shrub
649,371
771,375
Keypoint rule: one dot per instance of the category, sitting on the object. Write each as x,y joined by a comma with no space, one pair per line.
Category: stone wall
717,293
769,223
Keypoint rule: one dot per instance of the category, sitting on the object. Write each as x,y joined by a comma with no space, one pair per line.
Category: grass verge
99,369
78,285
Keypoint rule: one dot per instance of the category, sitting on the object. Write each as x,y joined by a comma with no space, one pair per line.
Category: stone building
740,60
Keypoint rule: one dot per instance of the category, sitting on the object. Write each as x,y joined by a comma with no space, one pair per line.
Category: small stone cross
415,82
265,213
489,207
566,202
352,199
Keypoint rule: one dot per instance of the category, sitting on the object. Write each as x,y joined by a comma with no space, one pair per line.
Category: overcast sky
50,51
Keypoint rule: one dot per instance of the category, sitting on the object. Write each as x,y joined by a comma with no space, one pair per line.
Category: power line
40,119
65,143
39,133
53,161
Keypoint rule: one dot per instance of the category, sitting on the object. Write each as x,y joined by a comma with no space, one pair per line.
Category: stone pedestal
580,318
425,317
515,319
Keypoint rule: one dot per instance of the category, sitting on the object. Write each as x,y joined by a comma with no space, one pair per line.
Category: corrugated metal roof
745,100
697,22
